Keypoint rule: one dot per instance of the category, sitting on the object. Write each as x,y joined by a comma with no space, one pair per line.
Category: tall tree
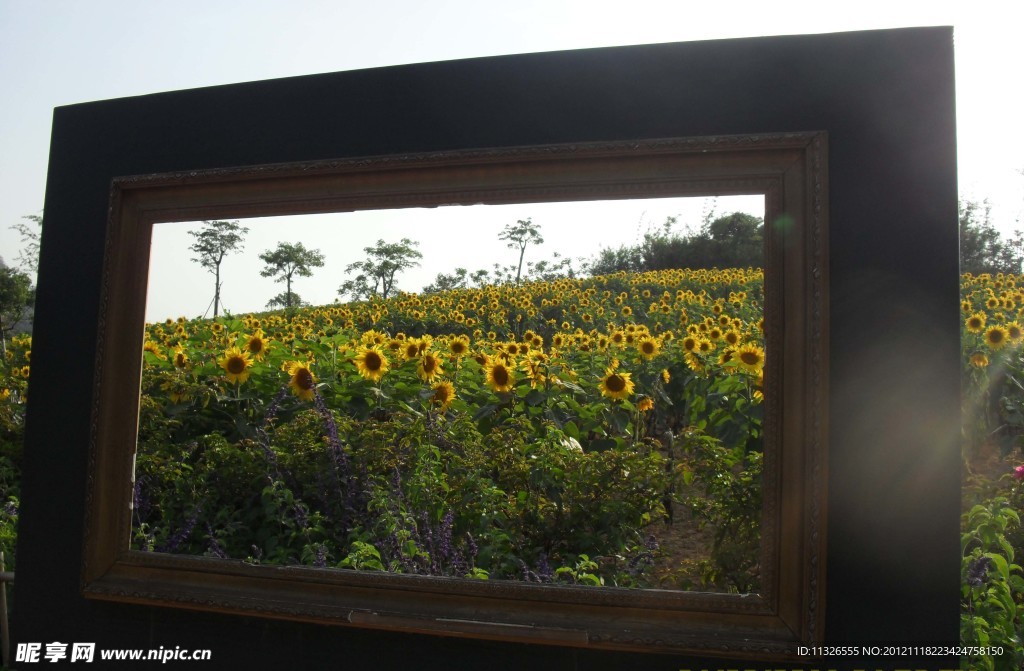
287,300
28,257
731,241
448,282
737,240
982,249
376,275
519,236
287,261
16,299
213,242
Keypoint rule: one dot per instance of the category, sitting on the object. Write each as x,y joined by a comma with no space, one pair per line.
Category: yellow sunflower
236,364
534,371
257,345
645,404
303,383
372,363
429,367
648,347
395,346
459,346
176,390
499,376
1014,330
616,385
695,364
976,322
444,394
750,357
373,337
979,360
411,348
996,337
180,357
153,349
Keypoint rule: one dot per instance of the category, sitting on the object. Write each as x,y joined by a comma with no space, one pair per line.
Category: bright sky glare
63,52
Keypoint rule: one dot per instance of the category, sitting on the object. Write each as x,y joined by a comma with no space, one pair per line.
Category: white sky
59,52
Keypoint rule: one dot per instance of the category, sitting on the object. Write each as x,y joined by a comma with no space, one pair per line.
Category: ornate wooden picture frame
789,169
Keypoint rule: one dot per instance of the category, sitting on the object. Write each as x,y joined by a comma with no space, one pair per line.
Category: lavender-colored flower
544,571
11,509
275,405
301,515
978,570
346,481
528,575
331,427
261,432
140,498
445,533
213,546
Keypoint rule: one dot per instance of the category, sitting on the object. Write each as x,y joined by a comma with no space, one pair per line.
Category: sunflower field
592,431
992,539
602,431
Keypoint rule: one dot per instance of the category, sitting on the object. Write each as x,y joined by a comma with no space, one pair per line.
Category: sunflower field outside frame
593,431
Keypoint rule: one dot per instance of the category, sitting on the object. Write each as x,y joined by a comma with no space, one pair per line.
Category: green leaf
535,397
1000,563
619,421
1007,548
570,385
601,445
485,411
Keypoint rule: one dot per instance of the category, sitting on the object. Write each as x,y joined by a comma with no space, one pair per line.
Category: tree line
733,240
982,248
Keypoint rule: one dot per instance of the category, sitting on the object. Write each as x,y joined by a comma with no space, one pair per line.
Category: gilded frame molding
790,169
